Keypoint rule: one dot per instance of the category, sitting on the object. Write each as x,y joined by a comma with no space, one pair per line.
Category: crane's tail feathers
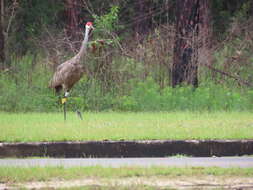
58,89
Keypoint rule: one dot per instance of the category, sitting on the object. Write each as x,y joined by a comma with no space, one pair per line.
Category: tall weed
25,89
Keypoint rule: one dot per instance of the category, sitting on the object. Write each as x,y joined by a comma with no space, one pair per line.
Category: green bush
146,96
25,89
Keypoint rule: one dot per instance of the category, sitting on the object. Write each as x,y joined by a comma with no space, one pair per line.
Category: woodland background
133,58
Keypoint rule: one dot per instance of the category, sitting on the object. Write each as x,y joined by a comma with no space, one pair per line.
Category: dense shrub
21,92
146,96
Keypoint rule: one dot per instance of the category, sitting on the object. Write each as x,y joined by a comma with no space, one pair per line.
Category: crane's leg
63,101
79,114
64,110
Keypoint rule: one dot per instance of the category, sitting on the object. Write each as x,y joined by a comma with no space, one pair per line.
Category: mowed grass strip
19,174
37,127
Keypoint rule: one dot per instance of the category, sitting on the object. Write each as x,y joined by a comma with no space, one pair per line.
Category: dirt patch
202,182
3,186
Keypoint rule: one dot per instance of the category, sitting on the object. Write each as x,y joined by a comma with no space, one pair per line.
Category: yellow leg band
63,100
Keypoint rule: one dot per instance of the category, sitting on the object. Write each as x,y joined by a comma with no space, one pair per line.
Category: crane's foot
79,114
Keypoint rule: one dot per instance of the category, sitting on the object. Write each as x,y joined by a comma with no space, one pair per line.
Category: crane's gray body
66,75
71,71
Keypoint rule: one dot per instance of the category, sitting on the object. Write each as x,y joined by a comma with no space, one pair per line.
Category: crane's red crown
89,24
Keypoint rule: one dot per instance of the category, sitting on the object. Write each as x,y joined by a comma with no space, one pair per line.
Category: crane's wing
67,73
58,77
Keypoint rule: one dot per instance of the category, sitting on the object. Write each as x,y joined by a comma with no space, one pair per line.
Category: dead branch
247,83
11,18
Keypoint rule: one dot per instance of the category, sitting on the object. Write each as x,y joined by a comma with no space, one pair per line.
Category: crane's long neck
83,48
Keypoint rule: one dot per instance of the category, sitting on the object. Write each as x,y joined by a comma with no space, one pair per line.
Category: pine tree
191,21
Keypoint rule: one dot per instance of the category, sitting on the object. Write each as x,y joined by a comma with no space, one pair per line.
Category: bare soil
161,182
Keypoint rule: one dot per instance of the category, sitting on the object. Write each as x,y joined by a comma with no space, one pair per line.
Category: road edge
110,149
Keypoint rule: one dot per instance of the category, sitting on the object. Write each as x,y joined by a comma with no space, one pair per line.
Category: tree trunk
2,49
142,19
185,60
205,35
72,12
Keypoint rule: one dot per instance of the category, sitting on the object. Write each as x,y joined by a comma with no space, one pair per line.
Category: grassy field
136,178
33,127
18,174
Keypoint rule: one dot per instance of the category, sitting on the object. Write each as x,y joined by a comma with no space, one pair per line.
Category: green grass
19,174
33,127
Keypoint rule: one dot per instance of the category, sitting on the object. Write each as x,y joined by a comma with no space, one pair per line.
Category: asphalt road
224,162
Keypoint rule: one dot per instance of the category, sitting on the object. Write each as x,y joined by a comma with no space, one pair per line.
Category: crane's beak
92,28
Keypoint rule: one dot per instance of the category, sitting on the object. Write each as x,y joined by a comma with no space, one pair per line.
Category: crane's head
89,26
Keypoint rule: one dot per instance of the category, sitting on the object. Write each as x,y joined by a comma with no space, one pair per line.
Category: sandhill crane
70,72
